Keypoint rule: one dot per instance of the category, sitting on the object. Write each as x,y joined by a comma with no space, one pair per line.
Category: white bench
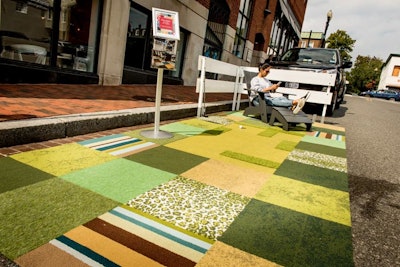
237,87
305,77
205,85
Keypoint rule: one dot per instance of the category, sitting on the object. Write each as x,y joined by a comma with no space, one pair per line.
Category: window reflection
26,28
136,39
77,35
23,35
139,43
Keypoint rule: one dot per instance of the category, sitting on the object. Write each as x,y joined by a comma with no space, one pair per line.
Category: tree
342,41
365,74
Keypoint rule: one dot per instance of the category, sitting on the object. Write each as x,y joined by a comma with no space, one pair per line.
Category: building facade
390,75
311,39
110,42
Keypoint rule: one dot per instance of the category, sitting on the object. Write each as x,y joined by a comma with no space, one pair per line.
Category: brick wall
299,9
205,3
261,24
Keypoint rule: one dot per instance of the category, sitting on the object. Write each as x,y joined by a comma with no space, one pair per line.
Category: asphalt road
373,144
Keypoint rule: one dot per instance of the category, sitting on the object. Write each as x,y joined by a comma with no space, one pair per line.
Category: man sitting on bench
260,83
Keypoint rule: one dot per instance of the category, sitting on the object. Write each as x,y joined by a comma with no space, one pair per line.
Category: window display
27,28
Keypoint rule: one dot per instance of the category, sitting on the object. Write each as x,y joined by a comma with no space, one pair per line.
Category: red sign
165,23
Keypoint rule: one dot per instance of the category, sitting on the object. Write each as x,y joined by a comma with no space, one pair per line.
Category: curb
37,130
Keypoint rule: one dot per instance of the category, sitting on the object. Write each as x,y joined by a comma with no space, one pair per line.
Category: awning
287,11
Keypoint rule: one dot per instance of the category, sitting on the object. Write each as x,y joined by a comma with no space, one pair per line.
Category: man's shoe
299,105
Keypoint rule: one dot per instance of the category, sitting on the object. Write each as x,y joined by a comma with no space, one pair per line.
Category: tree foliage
365,74
342,41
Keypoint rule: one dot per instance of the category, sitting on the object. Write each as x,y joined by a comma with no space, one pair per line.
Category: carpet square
227,176
324,141
314,175
222,254
49,255
172,160
288,237
118,145
182,129
63,159
328,128
329,204
15,174
202,209
333,151
119,179
33,215
319,160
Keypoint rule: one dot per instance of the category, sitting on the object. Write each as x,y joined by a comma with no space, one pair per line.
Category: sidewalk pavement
38,112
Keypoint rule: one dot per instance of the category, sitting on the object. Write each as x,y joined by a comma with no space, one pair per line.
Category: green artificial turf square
33,215
119,179
286,145
15,174
328,150
313,175
172,160
182,129
289,238
251,159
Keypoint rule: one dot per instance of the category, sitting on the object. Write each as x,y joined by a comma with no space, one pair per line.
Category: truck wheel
331,108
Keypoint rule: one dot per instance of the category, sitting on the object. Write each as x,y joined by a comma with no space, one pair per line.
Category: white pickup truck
319,60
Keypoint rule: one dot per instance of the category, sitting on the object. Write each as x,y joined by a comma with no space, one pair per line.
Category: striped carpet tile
122,236
118,145
333,136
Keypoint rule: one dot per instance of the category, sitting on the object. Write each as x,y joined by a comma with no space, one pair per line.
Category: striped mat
118,145
126,236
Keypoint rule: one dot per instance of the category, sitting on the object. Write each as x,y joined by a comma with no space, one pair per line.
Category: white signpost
166,36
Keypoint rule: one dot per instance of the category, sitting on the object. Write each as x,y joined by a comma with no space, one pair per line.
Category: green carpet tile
333,151
289,238
324,141
172,160
314,175
35,214
15,174
119,179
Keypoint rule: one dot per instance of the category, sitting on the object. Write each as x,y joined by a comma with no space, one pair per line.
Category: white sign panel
165,24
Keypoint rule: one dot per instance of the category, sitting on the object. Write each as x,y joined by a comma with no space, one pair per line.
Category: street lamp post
328,19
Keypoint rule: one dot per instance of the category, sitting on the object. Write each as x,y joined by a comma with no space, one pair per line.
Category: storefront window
27,29
23,32
136,44
139,42
77,36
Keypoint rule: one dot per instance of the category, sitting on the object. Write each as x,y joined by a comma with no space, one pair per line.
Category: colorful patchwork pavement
225,190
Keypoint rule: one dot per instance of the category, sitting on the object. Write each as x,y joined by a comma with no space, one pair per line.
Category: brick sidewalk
25,101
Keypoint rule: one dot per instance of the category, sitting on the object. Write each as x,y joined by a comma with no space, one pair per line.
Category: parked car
382,93
317,60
